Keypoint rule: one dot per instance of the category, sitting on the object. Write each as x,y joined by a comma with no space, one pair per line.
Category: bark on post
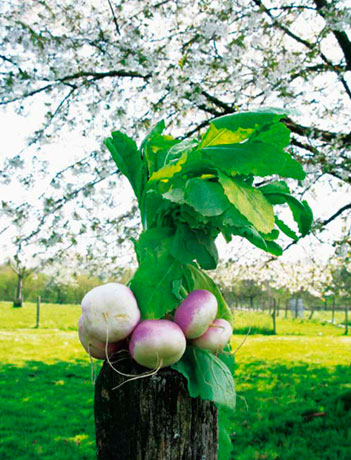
153,418
37,324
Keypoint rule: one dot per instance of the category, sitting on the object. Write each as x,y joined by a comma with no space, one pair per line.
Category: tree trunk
153,418
274,317
333,311
38,313
18,301
346,319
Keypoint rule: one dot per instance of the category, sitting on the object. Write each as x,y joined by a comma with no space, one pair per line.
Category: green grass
46,395
52,316
261,323
281,382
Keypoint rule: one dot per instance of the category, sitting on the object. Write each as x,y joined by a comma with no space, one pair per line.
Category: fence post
346,319
38,313
274,314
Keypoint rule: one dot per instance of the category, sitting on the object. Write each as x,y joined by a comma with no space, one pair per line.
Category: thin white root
131,376
141,376
242,343
244,399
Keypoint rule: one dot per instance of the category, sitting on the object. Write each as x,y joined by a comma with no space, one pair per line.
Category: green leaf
275,186
156,150
189,245
157,209
175,152
197,279
207,198
258,158
214,136
169,170
301,211
245,120
276,134
257,239
157,129
178,289
128,160
250,202
285,229
208,377
152,283
233,218
273,235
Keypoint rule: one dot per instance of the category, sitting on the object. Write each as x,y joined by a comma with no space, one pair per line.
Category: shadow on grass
46,411
253,330
293,412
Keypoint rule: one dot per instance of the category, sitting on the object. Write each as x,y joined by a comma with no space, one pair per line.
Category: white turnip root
196,313
110,312
92,346
216,337
157,343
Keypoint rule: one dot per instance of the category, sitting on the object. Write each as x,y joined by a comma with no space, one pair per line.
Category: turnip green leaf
128,160
208,377
207,198
250,202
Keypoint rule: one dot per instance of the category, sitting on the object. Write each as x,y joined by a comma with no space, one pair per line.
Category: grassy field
294,389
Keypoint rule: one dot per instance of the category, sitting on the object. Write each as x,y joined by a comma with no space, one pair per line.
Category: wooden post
333,311
38,313
346,318
153,418
274,316
312,311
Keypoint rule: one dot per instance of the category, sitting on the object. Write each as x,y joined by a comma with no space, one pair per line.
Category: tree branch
341,37
59,204
114,18
337,214
306,43
326,136
76,76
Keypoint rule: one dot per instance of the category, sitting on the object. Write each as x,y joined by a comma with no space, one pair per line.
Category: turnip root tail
132,376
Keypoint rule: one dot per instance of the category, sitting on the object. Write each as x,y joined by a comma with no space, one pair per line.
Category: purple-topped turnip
216,337
196,313
110,312
157,343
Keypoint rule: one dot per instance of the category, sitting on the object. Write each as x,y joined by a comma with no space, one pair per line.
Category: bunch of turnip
110,321
196,317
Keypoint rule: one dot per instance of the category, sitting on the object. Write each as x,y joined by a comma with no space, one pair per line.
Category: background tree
92,65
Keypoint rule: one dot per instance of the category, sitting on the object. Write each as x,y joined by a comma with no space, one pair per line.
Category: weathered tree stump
153,418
